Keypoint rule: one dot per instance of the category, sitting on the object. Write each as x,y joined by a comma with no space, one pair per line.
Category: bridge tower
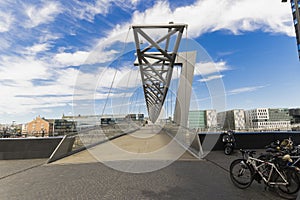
295,5
156,61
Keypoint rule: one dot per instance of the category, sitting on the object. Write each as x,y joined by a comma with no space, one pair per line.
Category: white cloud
134,2
204,16
236,16
208,16
209,78
38,48
208,68
18,73
226,53
4,44
85,57
244,89
22,70
104,78
48,36
67,79
88,10
6,19
212,15
21,94
42,15
72,59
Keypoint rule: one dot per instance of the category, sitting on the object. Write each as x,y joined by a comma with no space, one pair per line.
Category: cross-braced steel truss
156,63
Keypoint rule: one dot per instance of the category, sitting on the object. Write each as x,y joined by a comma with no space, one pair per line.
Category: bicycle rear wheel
241,174
293,181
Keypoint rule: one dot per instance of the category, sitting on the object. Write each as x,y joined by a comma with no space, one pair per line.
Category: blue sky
52,51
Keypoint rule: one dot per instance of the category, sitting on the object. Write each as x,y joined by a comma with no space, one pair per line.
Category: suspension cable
137,95
186,79
116,71
134,97
109,91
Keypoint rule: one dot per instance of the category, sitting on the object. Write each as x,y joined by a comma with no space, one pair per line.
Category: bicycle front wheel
292,178
241,174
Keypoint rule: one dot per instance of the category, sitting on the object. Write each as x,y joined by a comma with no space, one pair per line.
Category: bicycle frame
295,162
259,169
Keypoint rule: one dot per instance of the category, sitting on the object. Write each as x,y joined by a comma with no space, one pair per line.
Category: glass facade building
295,114
202,120
279,114
197,119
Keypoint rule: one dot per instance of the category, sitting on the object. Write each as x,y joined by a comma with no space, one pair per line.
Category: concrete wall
62,150
253,140
27,148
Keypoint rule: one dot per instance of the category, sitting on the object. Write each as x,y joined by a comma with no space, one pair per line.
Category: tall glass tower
295,5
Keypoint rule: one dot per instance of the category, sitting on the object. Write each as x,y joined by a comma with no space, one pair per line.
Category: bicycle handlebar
248,152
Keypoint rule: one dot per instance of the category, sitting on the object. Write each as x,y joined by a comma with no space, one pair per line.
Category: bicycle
285,147
244,171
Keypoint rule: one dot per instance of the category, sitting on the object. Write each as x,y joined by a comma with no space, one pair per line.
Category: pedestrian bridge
165,68
148,143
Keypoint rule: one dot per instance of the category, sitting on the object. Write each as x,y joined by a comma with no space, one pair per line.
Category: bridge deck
147,143
207,179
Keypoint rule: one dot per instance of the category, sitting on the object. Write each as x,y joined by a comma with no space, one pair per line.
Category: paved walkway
11,167
180,180
147,143
81,176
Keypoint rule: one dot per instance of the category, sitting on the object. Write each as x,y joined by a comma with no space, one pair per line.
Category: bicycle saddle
250,152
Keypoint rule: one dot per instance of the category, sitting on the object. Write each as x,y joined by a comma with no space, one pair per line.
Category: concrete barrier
27,148
62,149
253,140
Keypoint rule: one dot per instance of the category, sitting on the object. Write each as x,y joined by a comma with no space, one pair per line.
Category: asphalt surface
205,179
83,176
11,167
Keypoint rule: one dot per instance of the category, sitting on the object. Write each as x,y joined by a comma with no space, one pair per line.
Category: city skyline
46,46
69,117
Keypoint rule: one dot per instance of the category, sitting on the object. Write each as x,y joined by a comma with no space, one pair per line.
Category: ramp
148,143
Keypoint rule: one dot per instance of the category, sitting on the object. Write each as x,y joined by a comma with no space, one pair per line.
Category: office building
295,115
232,119
202,120
41,127
196,119
267,119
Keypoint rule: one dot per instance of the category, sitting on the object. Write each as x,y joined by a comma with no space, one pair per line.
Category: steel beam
156,63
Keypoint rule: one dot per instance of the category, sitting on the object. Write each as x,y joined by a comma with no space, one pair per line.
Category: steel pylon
156,63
